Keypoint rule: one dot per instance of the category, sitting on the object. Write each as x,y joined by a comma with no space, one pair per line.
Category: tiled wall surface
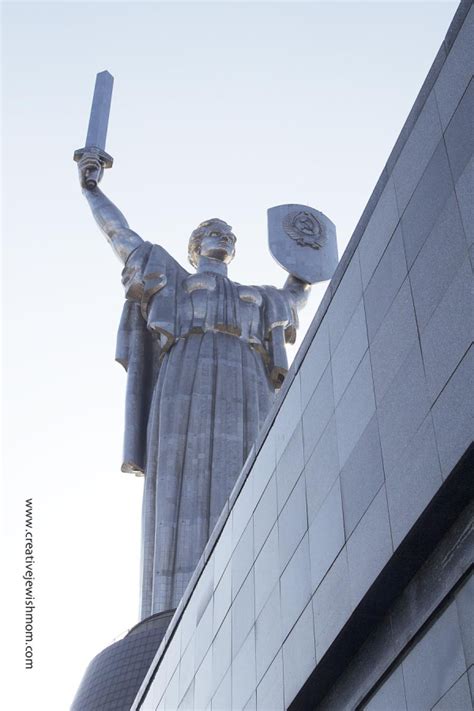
430,677
376,417
113,677
421,653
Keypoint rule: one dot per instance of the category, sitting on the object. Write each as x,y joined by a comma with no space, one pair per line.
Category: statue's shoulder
148,269
159,258
265,295
250,294
151,258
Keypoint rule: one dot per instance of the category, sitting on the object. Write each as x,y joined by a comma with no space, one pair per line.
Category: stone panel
299,654
413,481
344,302
464,193
222,699
314,364
173,654
251,704
369,664
267,569
222,598
349,352
449,332
428,200
268,632
438,262
403,409
243,613
171,696
369,547
435,663
362,476
265,515
222,651
186,669
318,412
385,283
242,511
264,465
270,689
457,698
355,409
326,535
243,673
290,466
465,607
292,523
453,415
187,701
459,136
331,604
378,232
470,676
391,695
204,634
393,341
456,72
203,683
322,469
417,151
187,629
295,586
222,550
288,416
242,558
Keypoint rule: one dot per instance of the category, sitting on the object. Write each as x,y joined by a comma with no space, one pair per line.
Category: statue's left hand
299,290
91,170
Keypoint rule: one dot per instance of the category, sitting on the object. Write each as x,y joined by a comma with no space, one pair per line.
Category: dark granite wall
364,465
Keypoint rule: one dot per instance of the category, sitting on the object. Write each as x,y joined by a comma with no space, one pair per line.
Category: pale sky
220,109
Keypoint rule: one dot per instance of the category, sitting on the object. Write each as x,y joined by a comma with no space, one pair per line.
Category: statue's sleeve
138,351
280,325
148,270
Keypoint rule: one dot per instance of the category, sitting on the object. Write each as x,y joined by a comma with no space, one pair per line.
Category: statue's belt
228,330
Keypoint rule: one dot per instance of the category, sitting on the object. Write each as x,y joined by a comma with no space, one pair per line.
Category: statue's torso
210,302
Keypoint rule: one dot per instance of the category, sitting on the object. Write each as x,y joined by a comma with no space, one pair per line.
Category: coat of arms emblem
304,228
303,241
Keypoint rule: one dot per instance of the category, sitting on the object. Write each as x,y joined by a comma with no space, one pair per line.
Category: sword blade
100,110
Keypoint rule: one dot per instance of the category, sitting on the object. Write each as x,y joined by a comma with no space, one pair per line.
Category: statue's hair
194,246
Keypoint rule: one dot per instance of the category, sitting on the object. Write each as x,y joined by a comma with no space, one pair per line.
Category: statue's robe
203,356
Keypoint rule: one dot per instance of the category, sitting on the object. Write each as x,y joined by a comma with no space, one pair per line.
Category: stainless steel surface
94,150
204,357
303,241
100,110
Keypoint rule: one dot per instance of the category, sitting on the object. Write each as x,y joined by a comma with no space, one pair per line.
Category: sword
97,131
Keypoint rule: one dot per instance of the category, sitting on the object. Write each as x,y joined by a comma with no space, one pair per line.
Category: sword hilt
92,176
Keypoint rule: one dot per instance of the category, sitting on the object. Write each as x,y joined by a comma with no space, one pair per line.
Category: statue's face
218,242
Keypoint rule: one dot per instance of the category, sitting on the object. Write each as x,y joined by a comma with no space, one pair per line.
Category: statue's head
214,239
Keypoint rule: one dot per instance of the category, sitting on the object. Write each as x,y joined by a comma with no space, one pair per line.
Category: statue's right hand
91,170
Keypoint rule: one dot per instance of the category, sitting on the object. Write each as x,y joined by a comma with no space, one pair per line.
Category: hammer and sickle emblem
304,228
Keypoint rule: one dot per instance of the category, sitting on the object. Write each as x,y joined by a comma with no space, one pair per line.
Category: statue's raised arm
204,356
92,159
113,224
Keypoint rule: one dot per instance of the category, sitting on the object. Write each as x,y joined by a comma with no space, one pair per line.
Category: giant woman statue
204,356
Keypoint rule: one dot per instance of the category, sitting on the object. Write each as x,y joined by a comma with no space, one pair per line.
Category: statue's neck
207,264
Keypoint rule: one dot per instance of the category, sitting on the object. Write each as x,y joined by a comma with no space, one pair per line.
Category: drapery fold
199,351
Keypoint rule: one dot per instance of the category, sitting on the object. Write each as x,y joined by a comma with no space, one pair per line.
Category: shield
303,241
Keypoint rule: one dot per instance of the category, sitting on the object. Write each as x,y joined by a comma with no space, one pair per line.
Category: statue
204,357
